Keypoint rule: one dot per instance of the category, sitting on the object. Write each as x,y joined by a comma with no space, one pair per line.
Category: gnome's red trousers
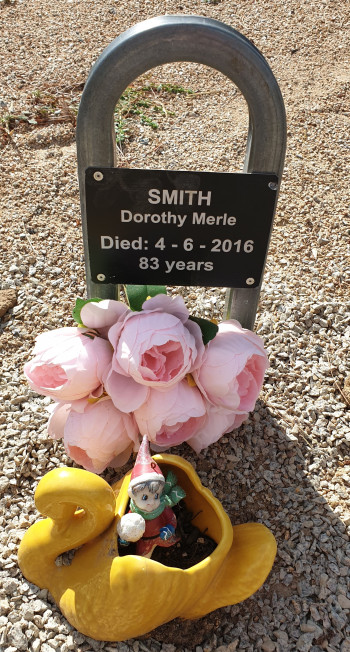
151,536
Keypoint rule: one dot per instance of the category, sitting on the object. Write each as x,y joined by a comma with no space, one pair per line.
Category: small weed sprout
145,103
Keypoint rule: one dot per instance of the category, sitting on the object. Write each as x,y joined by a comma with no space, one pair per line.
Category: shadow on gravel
267,480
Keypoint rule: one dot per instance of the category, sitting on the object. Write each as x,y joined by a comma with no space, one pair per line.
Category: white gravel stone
36,645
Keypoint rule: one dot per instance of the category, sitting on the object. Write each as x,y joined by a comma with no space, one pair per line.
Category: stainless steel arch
169,39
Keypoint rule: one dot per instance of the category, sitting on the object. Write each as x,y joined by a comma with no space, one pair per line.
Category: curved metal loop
169,39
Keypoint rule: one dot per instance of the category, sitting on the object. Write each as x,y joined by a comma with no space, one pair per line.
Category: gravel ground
288,466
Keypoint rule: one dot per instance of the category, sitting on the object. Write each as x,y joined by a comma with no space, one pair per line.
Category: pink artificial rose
68,363
153,348
98,437
171,417
219,421
233,368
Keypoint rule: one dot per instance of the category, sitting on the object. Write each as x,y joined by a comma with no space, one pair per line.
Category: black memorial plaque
178,228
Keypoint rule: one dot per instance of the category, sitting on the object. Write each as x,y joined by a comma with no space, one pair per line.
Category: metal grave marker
179,227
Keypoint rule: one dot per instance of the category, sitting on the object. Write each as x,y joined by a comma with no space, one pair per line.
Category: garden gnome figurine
151,521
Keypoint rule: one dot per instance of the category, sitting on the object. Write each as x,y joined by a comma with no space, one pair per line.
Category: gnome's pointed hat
145,468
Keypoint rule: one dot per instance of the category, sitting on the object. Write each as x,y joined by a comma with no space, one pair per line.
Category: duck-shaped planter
111,597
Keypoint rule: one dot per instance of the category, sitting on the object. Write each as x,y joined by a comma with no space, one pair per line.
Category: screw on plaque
101,277
250,281
98,176
273,185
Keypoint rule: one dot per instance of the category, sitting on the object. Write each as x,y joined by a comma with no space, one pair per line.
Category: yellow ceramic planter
114,598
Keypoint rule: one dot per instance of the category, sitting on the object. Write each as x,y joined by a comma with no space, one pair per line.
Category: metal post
169,39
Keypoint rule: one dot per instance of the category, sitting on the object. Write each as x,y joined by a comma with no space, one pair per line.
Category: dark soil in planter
193,546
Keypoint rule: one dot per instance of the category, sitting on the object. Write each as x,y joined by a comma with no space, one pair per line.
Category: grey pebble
304,642
10,586
343,601
17,638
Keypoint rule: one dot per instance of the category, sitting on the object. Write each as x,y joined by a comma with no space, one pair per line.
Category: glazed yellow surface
114,598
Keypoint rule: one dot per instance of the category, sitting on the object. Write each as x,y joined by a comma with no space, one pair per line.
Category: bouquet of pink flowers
148,369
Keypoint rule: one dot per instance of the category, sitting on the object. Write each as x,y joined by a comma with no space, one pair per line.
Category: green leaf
79,304
208,328
137,294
